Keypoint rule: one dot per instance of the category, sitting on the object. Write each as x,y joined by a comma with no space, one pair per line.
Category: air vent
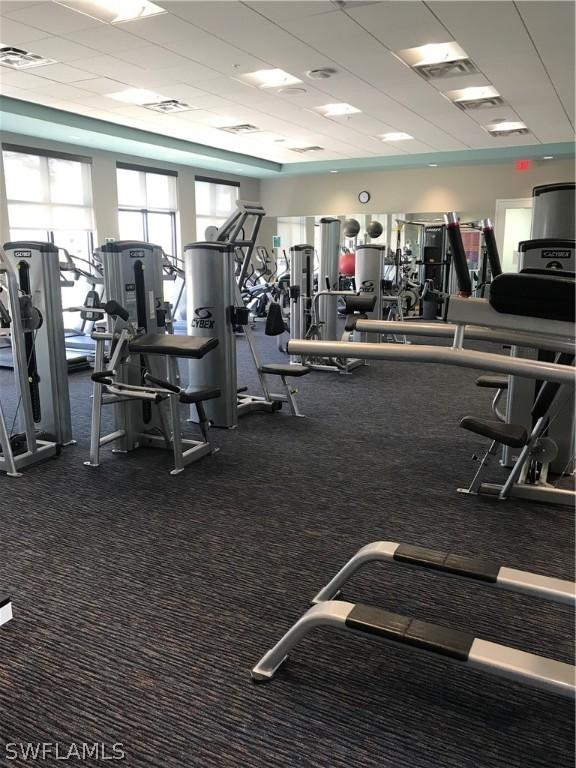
320,74
492,101
169,105
243,128
446,69
302,150
16,58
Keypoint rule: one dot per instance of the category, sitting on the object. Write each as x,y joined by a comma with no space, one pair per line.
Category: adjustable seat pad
174,346
513,435
282,369
492,382
549,296
190,396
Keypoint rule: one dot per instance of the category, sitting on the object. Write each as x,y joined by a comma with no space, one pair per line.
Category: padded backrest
550,296
360,303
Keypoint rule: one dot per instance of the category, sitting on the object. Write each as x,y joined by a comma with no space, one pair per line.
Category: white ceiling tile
19,79
102,85
400,24
53,18
14,33
60,49
57,90
108,66
63,73
153,57
551,26
285,11
161,29
16,5
108,39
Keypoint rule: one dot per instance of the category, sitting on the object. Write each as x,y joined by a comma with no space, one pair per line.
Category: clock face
364,197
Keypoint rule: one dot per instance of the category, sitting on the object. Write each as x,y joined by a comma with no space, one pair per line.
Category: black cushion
513,435
282,369
361,303
198,395
548,296
174,346
492,382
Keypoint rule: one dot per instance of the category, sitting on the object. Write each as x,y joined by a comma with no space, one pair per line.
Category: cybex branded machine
37,270
139,374
216,309
19,322
551,247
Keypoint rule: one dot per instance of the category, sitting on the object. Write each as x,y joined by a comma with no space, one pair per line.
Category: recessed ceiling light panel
138,96
476,97
16,58
507,128
114,11
438,60
269,78
338,110
396,136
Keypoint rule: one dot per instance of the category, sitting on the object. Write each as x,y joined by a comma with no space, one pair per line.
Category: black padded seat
492,382
198,395
550,296
361,303
281,369
173,346
513,435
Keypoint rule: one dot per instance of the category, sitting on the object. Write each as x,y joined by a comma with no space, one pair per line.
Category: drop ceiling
198,52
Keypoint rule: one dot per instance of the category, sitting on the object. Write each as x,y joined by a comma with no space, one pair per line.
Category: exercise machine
216,308
462,647
36,267
534,309
136,368
19,322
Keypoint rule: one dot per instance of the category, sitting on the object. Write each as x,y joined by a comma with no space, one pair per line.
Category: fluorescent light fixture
114,11
474,93
395,136
269,78
138,96
432,165
334,171
548,157
433,53
507,127
338,110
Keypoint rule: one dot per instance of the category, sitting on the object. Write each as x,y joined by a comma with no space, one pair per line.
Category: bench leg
477,479
291,399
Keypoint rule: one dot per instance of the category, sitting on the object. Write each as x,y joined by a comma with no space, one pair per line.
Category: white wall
104,190
471,190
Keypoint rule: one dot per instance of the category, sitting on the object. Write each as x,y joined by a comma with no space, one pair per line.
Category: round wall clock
364,196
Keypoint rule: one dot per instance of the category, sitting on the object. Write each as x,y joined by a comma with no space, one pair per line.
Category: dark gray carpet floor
142,600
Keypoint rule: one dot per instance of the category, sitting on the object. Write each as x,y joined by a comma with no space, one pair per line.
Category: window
215,201
50,198
292,231
147,206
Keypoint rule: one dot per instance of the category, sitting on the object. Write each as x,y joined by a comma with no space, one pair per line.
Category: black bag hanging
274,321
